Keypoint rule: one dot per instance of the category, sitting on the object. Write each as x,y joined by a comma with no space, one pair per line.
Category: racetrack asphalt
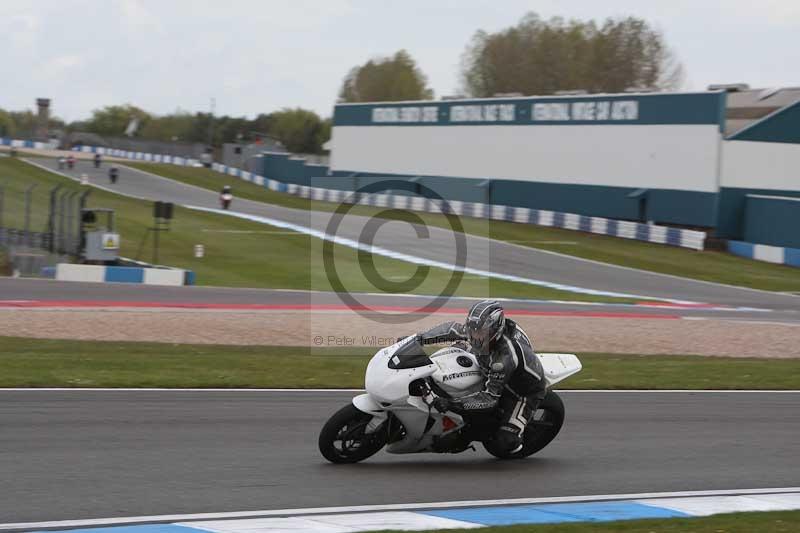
482,253
95,454
52,293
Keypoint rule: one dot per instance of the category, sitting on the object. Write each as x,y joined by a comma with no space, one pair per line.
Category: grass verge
59,363
5,267
240,253
767,522
713,266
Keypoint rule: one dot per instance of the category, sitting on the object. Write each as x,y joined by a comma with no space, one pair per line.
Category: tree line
533,57
23,124
299,130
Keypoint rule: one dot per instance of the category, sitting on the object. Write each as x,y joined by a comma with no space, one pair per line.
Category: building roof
746,107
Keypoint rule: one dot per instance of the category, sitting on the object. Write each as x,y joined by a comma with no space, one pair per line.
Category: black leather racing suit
514,378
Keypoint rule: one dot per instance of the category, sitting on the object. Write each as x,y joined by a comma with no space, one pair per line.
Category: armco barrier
115,274
140,156
20,143
763,252
602,226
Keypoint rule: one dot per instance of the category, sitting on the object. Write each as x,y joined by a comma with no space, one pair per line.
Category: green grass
769,522
240,253
61,363
714,266
210,179
5,267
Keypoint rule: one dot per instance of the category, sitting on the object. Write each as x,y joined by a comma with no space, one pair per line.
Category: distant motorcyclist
113,173
97,160
70,161
225,197
515,382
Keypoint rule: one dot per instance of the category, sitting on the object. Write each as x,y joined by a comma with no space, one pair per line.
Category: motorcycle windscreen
410,355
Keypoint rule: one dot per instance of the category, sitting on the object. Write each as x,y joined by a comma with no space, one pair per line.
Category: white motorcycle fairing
559,366
455,371
388,391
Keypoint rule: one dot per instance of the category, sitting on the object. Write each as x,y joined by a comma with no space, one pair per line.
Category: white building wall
664,156
761,165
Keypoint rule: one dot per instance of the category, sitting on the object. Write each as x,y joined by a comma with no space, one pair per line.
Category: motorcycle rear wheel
541,431
343,439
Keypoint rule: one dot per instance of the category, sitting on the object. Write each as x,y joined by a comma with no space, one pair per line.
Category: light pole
211,122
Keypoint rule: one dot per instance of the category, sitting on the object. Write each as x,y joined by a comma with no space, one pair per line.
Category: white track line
401,256
388,507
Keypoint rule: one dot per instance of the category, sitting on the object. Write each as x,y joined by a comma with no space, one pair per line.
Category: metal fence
40,227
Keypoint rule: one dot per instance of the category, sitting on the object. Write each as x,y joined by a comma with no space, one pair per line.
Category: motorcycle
397,411
225,200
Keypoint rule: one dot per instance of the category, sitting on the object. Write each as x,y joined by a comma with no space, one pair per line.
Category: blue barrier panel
642,232
125,274
674,236
743,249
792,256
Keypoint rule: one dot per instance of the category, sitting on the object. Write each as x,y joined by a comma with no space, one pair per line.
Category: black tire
343,439
541,431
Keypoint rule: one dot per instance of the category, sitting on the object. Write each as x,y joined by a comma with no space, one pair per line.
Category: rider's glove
441,404
462,345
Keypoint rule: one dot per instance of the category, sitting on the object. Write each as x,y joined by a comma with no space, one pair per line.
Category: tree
177,126
8,127
541,57
114,119
299,130
386,80
25,123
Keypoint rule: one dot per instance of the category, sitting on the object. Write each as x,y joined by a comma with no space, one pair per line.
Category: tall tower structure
43,119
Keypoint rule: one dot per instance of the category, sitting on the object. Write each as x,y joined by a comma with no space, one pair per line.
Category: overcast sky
256,56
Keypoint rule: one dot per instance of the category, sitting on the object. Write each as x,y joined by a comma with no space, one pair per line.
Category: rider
514,378
225,197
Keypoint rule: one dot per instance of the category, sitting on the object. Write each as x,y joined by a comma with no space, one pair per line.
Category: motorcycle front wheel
344,439
547,422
